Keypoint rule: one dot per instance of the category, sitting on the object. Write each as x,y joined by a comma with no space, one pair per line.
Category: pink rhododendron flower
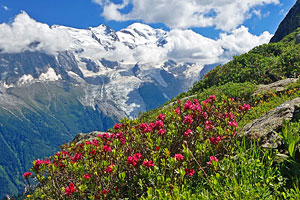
104,135
187,132
229,115
131,160
159,124
27,174
105,192
208,125
47,162
65,153
161,117
215,140
177,111
189,172
77,156
188,105
121,137
188,119
138,156
247,107
205,115
212,159
143,126
117,126
233,123
134,159
196,107
179,156
70,189
38,163
205,102
80,145
87,176
161,132
213,97
151,125
93,152
196,102
106,148
95,142
148,163
109,169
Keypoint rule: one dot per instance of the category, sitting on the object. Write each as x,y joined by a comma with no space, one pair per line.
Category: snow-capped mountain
91,62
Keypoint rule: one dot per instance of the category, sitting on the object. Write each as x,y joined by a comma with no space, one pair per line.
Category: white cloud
5,8
181,46
24,33
223,14
241,41
186,45
189,46
257,13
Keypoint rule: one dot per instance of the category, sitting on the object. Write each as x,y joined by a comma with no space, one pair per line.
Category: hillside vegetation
191,148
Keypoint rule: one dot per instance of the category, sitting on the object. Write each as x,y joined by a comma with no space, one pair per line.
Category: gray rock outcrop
266,126
277,86
80,137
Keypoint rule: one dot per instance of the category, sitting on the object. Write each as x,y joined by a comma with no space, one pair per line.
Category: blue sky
87,13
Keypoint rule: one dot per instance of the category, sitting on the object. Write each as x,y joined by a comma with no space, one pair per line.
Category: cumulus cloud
241,41
24,33
186,45
223,14
189,46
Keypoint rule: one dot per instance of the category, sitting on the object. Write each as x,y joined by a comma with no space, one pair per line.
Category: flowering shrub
182,146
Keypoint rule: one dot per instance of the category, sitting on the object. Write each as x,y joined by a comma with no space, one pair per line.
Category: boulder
277,86
266,126
80,137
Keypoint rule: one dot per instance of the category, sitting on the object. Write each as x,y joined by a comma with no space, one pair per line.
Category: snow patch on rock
25,79
50,75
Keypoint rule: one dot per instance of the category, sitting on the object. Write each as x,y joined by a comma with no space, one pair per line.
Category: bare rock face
266,126
290,23
297,39
277,86
80,137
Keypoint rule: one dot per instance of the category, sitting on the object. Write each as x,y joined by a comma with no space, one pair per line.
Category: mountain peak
140,26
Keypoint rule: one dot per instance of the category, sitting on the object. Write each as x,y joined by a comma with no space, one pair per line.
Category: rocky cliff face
290,23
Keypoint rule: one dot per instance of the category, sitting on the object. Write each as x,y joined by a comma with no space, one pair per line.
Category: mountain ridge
289,24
